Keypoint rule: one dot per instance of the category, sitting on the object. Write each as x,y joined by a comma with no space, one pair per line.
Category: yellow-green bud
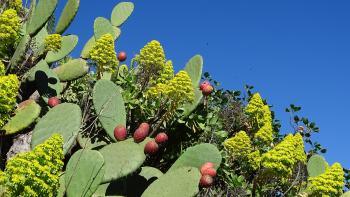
9,86
103,53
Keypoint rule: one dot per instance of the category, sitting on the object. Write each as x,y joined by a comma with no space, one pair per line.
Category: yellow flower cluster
9,86
16,4
282,158
103,53
179,89
2,68
239,145
328,184
261,115
240,148
53,42
36,173
166,73
9,28
151,56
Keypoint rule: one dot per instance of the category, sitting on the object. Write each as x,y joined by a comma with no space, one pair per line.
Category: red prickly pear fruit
53,101
151,147
120,132
206,165
144,126
122,56
207,90
209,171
203,84
206,181
161,138
140,134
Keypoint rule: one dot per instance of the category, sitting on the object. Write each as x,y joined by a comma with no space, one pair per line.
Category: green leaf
102,26
67,15
63,119
109,105
84,173
42,13
26,113
316,165
197,155
180,182
121,159
68,44
121,13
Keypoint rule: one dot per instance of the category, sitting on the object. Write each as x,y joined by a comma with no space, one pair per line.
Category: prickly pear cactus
26,113
346,194
180,182
102,26
42,12
121,159
72,70
197,155
316,165
68,44
64,119
67,15
194,69
84,173
121,13
109,105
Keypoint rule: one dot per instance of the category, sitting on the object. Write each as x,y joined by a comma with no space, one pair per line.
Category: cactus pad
26,113
68,44
20,50
67,15
42,12
63,119
121,159
121,13
197,155
109,105
102,26
150,172
72,70
194,69
84,173
180,182
316,165
85,53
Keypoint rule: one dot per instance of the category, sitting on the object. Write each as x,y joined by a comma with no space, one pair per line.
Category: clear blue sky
291,51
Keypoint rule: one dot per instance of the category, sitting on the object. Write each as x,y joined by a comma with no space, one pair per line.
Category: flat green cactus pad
42,12
180,182
26,113
72,70
67,15
194,69
63,119
197,155
121,13
316,165
68,44
84,173
121,159
109,106
102,26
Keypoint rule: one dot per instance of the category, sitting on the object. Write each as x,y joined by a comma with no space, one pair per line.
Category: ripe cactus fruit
145,126
122,56
161,138
206,166
209,171
204,84
53,101
206,181
151,147
120,132
140,134
207,90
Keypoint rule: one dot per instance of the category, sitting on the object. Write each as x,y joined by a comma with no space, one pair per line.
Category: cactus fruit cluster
90,126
